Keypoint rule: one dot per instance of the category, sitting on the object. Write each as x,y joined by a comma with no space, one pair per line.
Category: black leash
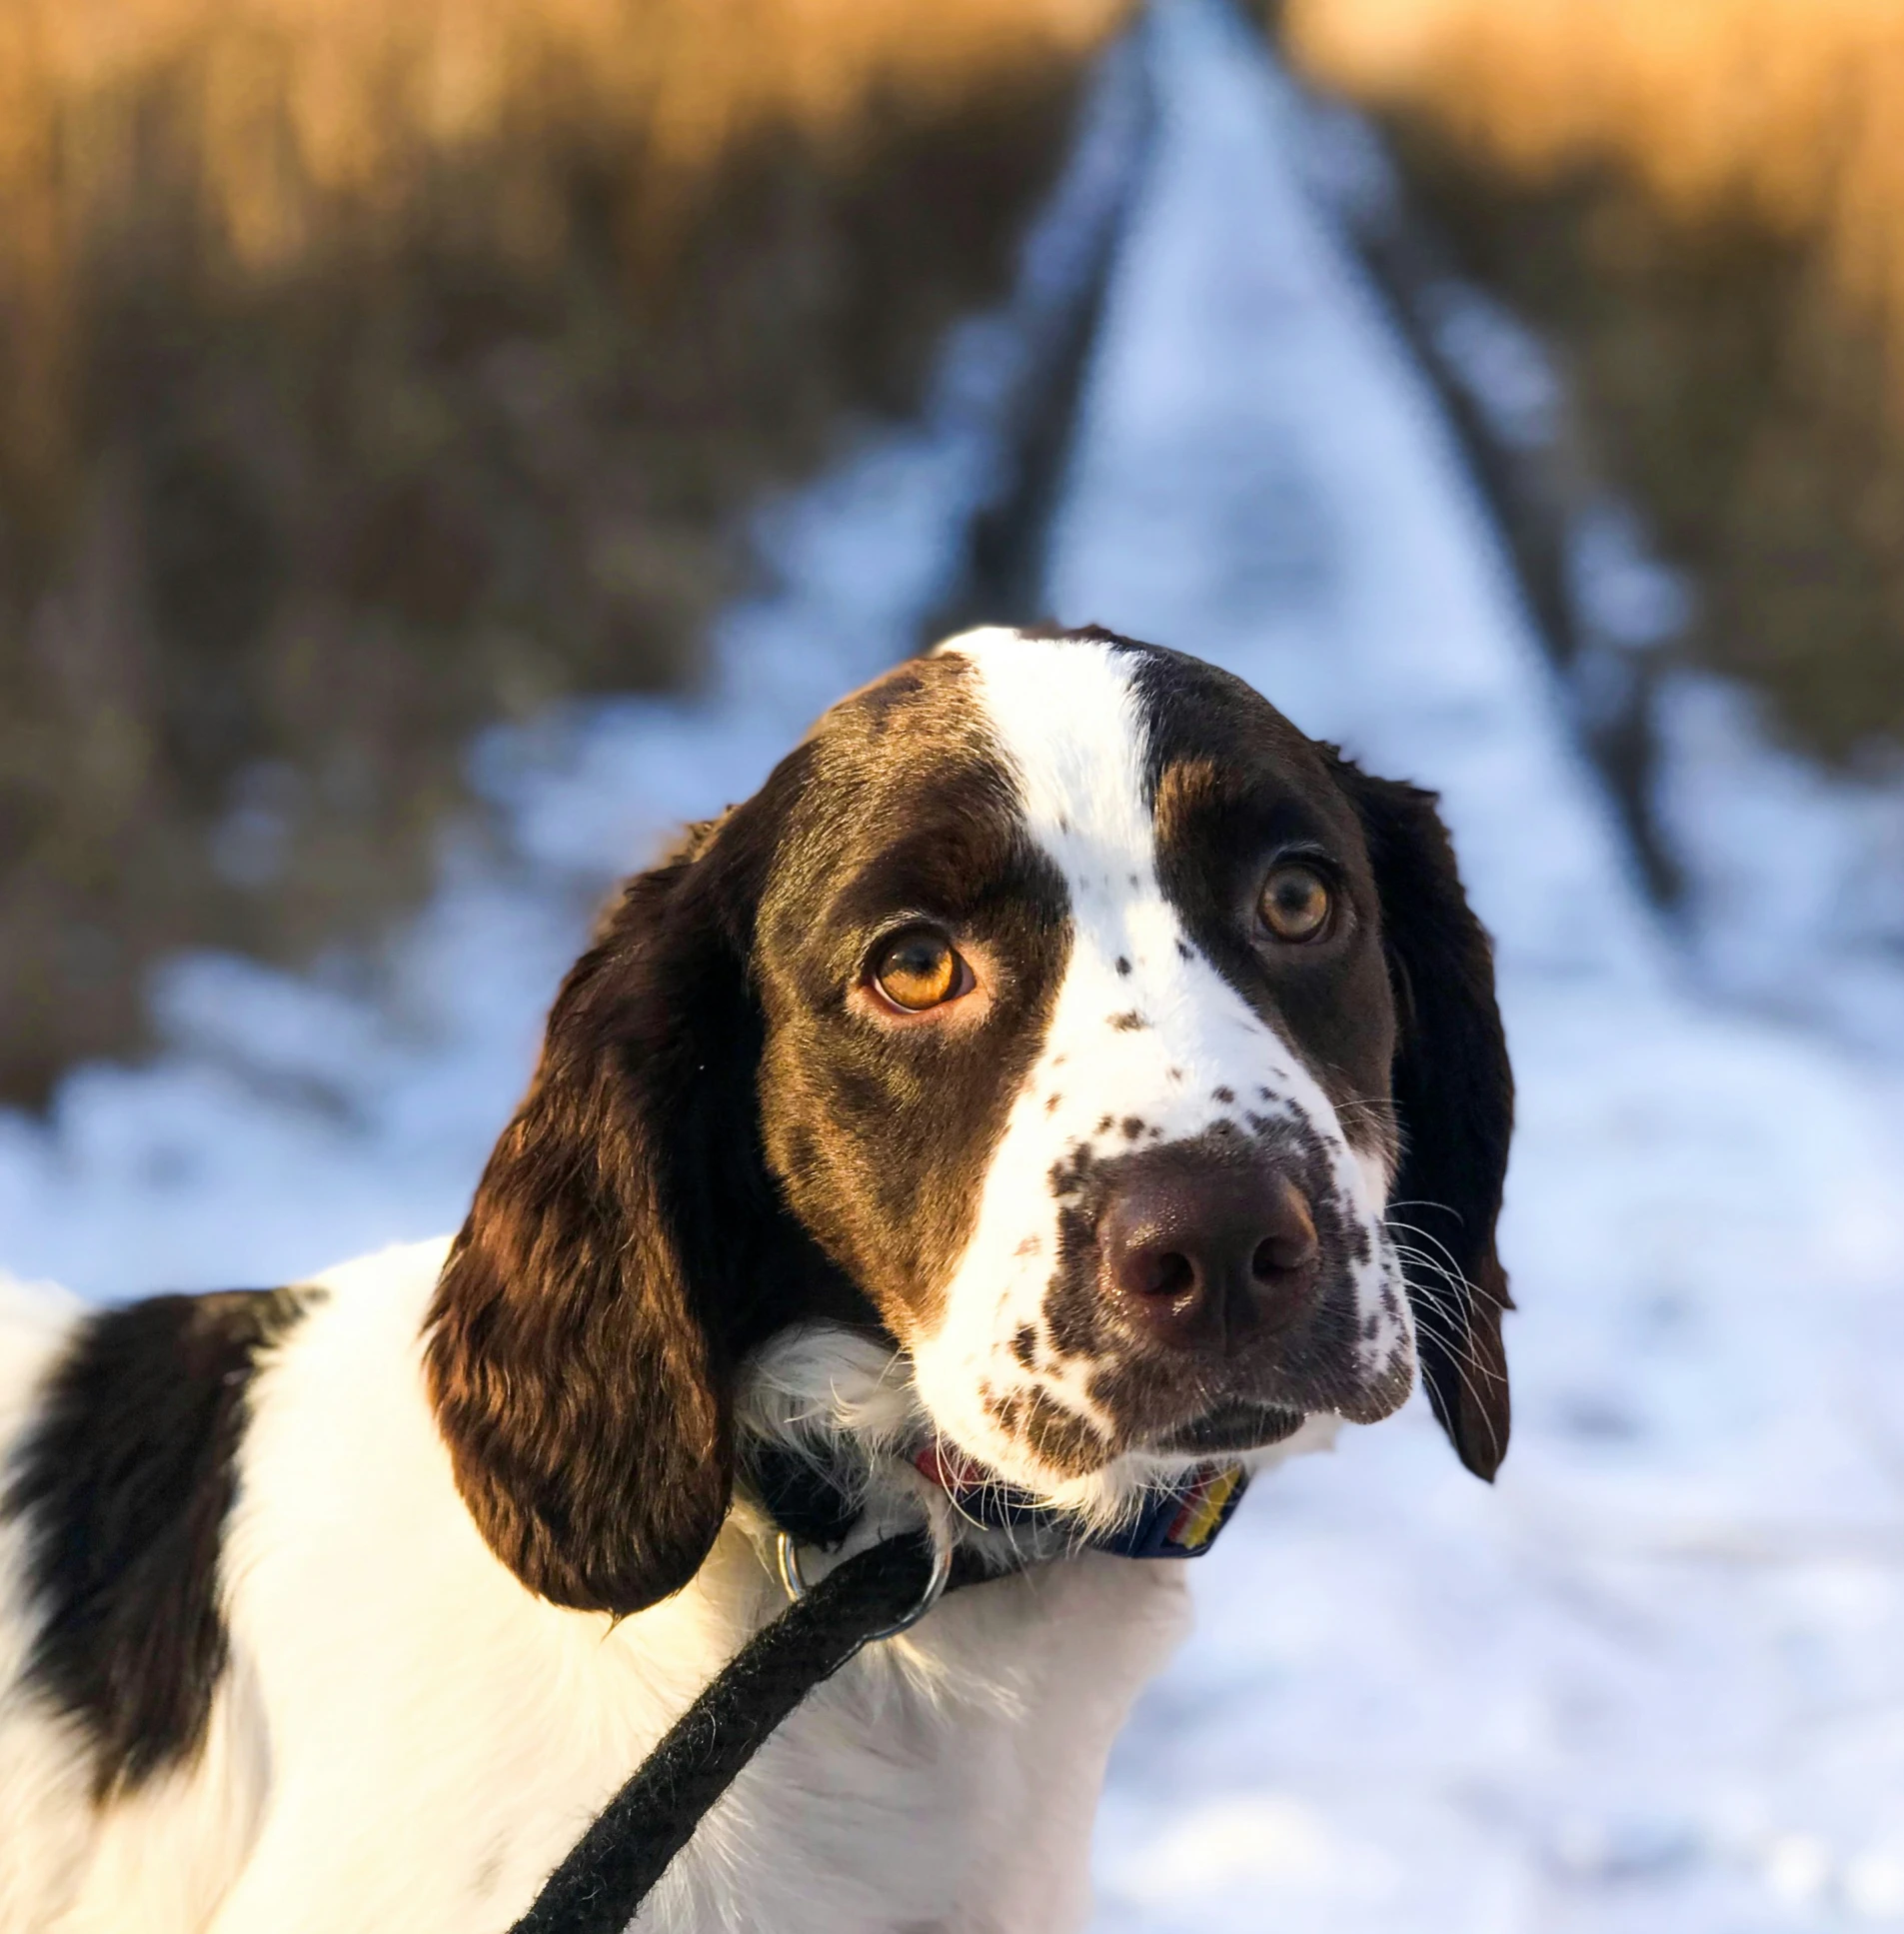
609,1873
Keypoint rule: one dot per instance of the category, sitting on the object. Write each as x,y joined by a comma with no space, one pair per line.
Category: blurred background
371,375
442,447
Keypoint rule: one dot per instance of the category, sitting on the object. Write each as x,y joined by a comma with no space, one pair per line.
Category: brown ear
581,1345
1455,1092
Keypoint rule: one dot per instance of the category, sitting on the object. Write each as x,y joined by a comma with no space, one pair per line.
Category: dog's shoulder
122,1430
125,1432
118,1482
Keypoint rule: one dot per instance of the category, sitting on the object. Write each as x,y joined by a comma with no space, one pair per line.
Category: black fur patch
124,1485
1454,1095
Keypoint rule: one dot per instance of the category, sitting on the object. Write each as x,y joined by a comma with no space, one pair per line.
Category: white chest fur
436,1738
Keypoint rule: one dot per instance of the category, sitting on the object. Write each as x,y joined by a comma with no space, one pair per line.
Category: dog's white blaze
1067,718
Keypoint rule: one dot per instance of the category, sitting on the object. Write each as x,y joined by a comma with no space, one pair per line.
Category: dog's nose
1204,1257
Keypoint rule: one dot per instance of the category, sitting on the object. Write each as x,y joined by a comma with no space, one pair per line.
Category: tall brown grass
1703,202
1787,112
273,121
371,370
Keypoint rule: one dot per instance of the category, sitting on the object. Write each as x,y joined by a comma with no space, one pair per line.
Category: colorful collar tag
1181,1522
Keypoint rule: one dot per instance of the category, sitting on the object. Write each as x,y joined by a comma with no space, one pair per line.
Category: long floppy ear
1455,1092
581,1346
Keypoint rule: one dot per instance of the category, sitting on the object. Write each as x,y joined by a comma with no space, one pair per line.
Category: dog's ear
580,1349
1455,1093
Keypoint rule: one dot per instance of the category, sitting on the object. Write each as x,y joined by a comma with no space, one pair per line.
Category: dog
1017,1085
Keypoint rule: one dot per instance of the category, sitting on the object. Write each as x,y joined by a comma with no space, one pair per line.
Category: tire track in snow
1653,1680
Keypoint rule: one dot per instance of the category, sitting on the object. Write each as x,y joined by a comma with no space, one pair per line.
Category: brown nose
1206,1256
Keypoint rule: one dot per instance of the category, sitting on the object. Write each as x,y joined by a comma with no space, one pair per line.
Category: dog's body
348,1780
1020,1071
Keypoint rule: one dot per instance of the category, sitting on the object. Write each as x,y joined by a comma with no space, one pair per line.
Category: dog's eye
919,971
1295,903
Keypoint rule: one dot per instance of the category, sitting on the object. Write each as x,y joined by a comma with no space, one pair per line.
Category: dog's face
1041,1013
1077,1052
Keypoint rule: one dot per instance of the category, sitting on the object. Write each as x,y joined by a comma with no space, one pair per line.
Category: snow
1652,1680
1819,936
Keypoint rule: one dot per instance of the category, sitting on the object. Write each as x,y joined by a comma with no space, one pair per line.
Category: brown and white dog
1027,1069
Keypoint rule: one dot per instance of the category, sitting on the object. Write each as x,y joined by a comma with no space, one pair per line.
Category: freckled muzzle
1214,1280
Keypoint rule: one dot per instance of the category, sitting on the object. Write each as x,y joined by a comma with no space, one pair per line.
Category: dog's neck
837,1450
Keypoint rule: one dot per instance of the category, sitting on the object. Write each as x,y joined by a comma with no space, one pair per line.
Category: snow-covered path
1654,1681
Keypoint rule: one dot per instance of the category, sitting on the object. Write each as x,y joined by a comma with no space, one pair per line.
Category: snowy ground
1653,1680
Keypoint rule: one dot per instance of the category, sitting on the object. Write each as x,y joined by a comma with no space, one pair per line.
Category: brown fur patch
1061,1439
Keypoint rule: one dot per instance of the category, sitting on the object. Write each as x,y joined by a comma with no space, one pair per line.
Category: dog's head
1057,1013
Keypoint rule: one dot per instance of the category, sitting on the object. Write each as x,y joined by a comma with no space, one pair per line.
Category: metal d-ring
786,1557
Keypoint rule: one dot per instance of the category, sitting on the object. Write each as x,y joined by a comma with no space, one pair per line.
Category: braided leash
601,1885
610,1871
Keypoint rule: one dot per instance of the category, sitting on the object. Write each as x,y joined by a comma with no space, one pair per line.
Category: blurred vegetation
371,372
1701,204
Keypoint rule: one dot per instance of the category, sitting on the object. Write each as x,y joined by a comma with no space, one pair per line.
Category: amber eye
919,971
1295,903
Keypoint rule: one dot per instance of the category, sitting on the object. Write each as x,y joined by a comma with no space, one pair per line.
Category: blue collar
1180,1522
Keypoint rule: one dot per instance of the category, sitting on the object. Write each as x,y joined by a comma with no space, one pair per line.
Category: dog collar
1179,1520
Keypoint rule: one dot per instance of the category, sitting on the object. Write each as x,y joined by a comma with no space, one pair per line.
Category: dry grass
369,371
1784,112
1703,202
